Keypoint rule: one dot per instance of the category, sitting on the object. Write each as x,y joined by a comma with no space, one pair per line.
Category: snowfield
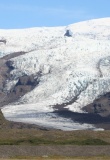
73,62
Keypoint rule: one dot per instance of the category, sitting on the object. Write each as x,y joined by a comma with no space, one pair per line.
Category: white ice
77,66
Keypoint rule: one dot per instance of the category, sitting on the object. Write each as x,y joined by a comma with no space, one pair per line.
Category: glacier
71,62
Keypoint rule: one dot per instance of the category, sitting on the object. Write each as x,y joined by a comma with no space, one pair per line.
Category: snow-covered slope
73,62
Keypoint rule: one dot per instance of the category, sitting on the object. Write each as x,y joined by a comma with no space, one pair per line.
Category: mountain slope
58,68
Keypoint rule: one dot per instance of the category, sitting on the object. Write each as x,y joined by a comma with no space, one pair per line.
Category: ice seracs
73,62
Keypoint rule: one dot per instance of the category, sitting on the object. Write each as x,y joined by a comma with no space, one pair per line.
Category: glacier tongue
43,116
72,63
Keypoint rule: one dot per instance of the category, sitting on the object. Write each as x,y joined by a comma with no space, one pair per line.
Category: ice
75,66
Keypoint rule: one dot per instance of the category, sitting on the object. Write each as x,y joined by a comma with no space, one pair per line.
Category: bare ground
61,150
39,143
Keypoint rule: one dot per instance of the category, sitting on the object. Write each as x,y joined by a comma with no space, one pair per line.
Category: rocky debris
13,55
3,41
27,80
9,64
104,66
3,122
25,83
68,33
21,90
100,106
